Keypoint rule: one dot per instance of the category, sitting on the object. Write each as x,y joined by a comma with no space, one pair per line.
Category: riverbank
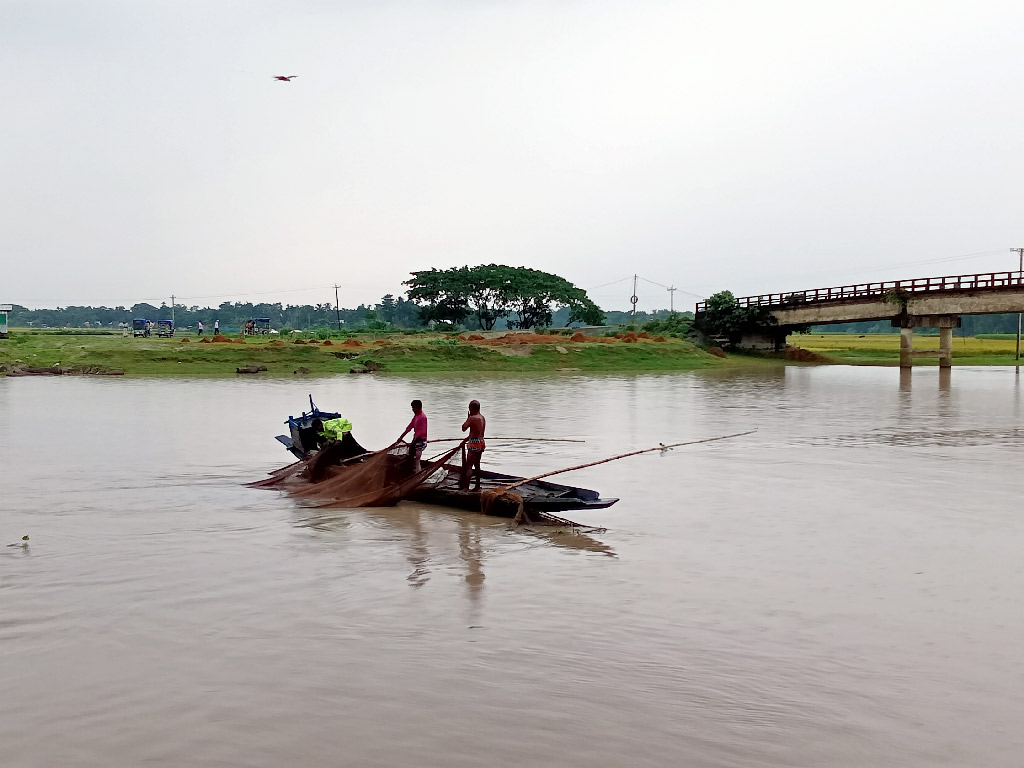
92,352
394,353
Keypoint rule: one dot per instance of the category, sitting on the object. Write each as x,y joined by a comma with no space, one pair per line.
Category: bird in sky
284,78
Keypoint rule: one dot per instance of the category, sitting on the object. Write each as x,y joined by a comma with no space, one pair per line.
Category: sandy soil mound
328,343
186,341
518,338
716,351
299,341
205,340
220,339
805,356
578,337
351,343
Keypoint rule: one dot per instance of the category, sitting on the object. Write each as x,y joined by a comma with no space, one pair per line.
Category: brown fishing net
377,479
503,496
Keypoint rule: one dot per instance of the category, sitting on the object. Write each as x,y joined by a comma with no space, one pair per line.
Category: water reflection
427,548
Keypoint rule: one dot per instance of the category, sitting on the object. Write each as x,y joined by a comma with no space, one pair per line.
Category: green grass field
426,353
884,348
405,354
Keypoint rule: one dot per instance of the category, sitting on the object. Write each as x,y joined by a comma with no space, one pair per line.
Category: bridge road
929,302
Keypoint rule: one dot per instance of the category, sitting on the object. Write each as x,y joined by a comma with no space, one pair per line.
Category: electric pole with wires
337,307
633,299
1020,278
671,299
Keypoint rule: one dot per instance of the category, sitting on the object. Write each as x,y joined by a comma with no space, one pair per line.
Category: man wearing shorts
418,425
475,446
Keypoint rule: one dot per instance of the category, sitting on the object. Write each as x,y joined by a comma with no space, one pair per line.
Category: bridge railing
984,280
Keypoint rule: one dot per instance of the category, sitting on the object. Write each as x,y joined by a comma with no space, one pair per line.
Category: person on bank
418,426
475,446
200,328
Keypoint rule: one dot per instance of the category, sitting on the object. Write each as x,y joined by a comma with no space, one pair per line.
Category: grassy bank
394,354
884,348
425,353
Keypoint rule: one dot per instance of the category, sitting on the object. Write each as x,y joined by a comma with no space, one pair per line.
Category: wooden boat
539,500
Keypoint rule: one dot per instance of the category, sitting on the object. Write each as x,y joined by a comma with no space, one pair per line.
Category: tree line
231,315
484,297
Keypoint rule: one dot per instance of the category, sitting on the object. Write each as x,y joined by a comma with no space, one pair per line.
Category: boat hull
538,497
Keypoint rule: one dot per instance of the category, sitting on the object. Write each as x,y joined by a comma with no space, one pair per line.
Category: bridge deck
987,281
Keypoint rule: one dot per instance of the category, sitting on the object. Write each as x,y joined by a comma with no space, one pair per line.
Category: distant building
4,310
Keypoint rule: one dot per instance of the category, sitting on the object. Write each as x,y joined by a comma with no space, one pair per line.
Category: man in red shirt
418,425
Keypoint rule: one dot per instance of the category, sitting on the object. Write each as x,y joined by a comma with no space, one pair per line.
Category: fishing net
494,497
377,479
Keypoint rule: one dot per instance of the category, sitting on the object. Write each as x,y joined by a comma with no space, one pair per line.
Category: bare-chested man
476,424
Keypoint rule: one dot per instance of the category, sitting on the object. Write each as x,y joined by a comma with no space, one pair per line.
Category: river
841,588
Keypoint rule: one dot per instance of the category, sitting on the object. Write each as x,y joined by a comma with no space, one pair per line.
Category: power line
671,288
654,283
613,282
257,293
940,260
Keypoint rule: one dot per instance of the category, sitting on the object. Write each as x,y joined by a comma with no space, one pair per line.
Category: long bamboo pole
620,456
531,439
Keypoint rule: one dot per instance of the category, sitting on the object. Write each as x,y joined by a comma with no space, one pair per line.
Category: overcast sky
755,146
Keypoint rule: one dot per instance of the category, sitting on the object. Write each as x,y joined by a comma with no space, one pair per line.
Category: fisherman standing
475,446
418,425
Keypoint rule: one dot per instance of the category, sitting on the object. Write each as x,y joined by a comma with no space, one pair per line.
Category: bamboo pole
507,488
531,439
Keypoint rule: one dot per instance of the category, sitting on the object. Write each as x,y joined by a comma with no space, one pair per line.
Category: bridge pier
906,347
945,324
946,346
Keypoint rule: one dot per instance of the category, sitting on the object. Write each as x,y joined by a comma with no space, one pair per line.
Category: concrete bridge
929,302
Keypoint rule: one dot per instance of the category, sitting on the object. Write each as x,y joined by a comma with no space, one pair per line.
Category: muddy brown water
843,588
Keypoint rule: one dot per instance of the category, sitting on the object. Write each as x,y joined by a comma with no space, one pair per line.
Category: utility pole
1020,274
671,299
337,307
633,299
172,310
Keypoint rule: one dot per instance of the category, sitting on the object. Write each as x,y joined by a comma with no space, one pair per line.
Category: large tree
442,295
492,291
